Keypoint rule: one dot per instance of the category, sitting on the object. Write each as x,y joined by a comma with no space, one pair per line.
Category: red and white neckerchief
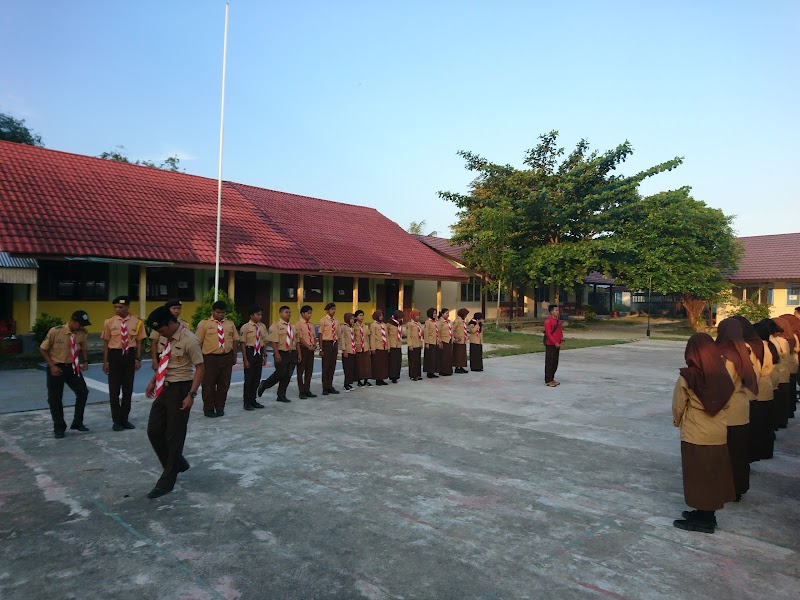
419,330
334,333
163,361
310,333
363,338
399,333
221,334
73,348
123,335
436,327
289,336
352,340
257,343
450,327
383,335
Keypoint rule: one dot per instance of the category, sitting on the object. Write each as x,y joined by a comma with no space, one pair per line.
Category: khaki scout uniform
430,337
328,330
57,344
285,336
252,374
414,341
394,334
363,359
347,338
475,329
307,341
122,363
459,343
218,362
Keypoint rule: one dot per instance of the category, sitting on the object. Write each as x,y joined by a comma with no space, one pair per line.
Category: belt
169,383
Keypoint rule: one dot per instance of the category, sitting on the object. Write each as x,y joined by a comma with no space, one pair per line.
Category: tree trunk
694,306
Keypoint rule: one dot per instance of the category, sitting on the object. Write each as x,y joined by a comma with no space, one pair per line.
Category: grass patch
510,344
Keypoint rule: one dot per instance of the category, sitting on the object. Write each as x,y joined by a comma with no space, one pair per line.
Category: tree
679,244
204,310
120,154
14,130
416,228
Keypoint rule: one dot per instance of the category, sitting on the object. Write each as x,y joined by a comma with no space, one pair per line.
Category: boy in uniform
60,348
283,338
348,337
175,306
394,333
253,337
122,357
307,344
329,342
218,341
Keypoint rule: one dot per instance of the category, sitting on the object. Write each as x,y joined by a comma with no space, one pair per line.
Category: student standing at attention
395,337
306,345
445,357
460,341
348,337
218,338
329,342
553,339
415,341
363,355
475,328
253,338
379,344
431,339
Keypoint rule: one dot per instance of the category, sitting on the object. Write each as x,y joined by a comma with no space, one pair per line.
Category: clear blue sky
368,102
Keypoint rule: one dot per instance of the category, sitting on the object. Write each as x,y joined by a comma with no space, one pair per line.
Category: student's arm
680,401
154,352
196,381
44,350
85,352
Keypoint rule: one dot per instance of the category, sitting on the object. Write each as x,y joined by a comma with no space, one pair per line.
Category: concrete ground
480,486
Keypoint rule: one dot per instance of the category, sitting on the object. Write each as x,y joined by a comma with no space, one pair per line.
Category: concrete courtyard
485,486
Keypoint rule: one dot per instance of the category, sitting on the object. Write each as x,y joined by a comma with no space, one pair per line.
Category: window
163,283
769,294
471,292
72,280
312,288
491,294
288,288
343,289
793,294
543,293
363,289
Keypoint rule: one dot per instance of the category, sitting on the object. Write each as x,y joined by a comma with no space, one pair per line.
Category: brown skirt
430,363
415,363
476,357
446,359
762,433
380,364
782,397
459,355
395,363
363,365
739,451
707,478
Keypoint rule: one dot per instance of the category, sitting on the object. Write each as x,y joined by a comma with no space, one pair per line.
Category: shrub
752,311
204,310
589,313
42,325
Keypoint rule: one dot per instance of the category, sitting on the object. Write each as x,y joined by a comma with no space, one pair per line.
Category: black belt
169,383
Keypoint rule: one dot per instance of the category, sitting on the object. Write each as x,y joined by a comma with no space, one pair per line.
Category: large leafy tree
14,130
120,154
676,244
418,227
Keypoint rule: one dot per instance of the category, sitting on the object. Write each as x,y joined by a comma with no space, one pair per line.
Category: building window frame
343,289
289,282
73,280
471,290
792,289
313,288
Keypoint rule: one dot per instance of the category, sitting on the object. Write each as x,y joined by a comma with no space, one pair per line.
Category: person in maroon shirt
553,339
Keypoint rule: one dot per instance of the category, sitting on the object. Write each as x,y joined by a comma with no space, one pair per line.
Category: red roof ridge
263,189
766,235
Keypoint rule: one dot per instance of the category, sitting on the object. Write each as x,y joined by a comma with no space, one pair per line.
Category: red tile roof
60,204
442,245
769,258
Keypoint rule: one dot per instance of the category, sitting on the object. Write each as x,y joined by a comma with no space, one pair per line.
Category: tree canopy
417,228
14,130
120,154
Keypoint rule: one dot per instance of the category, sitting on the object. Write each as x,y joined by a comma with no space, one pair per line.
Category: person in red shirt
553,340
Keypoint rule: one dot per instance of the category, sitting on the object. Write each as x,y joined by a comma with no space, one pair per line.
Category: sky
369,102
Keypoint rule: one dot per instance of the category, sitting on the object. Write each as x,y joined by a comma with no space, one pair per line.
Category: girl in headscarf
395,335
475,327
739,363
363,356
460,341
379,343
784,341
762,424
431,339
347,339
445,343
701,394
415,341
794,323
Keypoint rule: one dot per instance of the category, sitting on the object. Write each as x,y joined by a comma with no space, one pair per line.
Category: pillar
355,294
33,305
300,291
438,296
231,285
143,291
401,295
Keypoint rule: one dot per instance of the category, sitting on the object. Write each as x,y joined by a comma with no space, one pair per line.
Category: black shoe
360,384
303,396
325,392
431,376
282,399
220,413
128,425
367,384
262,387
348,388
117,427
249,407
692,515
184,466
394,380
257,405
310,395
738,498
333,391
380,382
58,435
79,427
157,492
691,525
210,414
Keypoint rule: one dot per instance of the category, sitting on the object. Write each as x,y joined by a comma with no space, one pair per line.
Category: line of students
733,395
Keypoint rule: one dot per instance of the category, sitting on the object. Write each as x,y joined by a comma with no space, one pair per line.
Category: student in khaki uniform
122,356
445,343
329,342
61,348
173,389
379,345
307,344
460,341
740,366
475,328
175,306
394,334
253,338
762,432
347,335
363,351
785,345
283,338
701,394
219,343
415,341
794,364
431,339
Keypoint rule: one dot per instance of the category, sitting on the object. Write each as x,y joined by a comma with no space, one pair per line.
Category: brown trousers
395,363
550,362
415,362
216,380
349,366
166,429
305,369
283,372
252,376
121,371
330,352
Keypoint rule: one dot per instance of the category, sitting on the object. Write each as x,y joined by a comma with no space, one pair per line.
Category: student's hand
105,368
155,365
137,364
278,358
187,403
345,355
246,363
150,389
56,371
372,351
558,345
85,365
441,345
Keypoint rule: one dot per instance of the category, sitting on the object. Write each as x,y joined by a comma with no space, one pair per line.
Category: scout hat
126,300
160,317
81,317
171,303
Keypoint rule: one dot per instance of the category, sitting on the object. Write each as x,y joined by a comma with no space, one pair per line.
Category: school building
77,231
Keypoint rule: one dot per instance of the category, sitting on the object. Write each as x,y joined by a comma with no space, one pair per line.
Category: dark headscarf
705,373
730,343
787,330
764,328
444,310
398,316
377,315
462,312
794,326
431,312
751,337
348,317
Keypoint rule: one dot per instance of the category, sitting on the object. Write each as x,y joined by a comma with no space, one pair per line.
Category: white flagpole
221,135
